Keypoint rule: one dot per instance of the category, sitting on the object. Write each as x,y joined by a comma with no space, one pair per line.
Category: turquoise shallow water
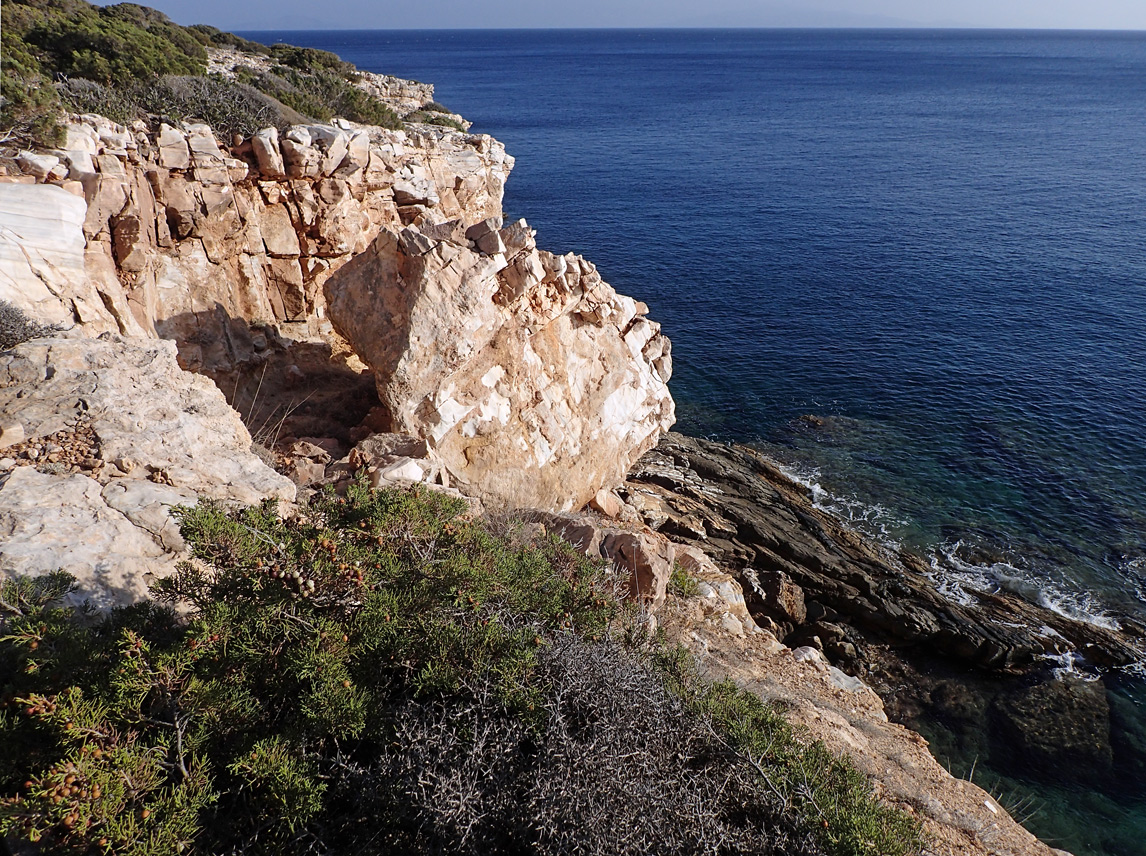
909,264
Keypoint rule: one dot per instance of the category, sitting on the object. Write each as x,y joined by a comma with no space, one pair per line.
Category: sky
465,14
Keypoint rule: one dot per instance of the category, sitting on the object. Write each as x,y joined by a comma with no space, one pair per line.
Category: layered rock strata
811,576
987,668
176,235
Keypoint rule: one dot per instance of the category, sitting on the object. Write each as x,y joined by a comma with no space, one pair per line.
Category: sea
910,265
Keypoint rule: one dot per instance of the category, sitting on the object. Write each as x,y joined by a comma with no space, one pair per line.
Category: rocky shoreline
351,297
985,670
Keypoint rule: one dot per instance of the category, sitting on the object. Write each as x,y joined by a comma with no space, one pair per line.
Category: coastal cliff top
128,63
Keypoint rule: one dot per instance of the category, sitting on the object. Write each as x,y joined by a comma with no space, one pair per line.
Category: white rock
731,624
156,422
204,147
142,407
572,409
81,137
42,251
265,145
357,152
38,165
402,470
845,681
335,153
11,433
63,522
606,502
299,134
302,161
279,235
173,150
808,654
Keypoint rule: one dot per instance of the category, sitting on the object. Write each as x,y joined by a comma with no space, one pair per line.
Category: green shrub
429,118
125,60
323,94
681,582
310,60
114,44
213,36
380,676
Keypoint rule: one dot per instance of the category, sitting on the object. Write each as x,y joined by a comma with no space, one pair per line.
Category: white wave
957,579
1134,570
870,519
1071,663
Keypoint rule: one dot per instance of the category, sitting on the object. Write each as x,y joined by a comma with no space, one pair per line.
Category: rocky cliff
234,252
354,295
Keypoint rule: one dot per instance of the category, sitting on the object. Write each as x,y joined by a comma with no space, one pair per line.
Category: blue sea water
910,264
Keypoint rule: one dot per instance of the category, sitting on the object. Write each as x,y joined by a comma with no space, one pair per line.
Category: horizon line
775,27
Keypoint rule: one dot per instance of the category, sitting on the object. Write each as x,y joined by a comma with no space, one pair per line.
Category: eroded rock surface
172,233
644,556
114,435
535,382
959,818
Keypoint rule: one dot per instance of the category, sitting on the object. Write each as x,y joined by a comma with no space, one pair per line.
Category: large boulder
114,434
535,383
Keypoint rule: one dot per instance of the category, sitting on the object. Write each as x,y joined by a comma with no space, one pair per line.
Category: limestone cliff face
174,235
536,384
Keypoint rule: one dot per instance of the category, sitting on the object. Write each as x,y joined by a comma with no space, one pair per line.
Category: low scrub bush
16,327
681,582
381,676
214,37
126,61
228,107
87,96
322,94
434,118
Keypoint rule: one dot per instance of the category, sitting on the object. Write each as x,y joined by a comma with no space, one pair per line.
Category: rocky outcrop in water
811,576
985,669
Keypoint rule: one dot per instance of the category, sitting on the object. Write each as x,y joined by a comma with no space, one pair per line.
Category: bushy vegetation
228,107
322,93
215,37
681,582
432,117
43,40
381,676
16,327
127,61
